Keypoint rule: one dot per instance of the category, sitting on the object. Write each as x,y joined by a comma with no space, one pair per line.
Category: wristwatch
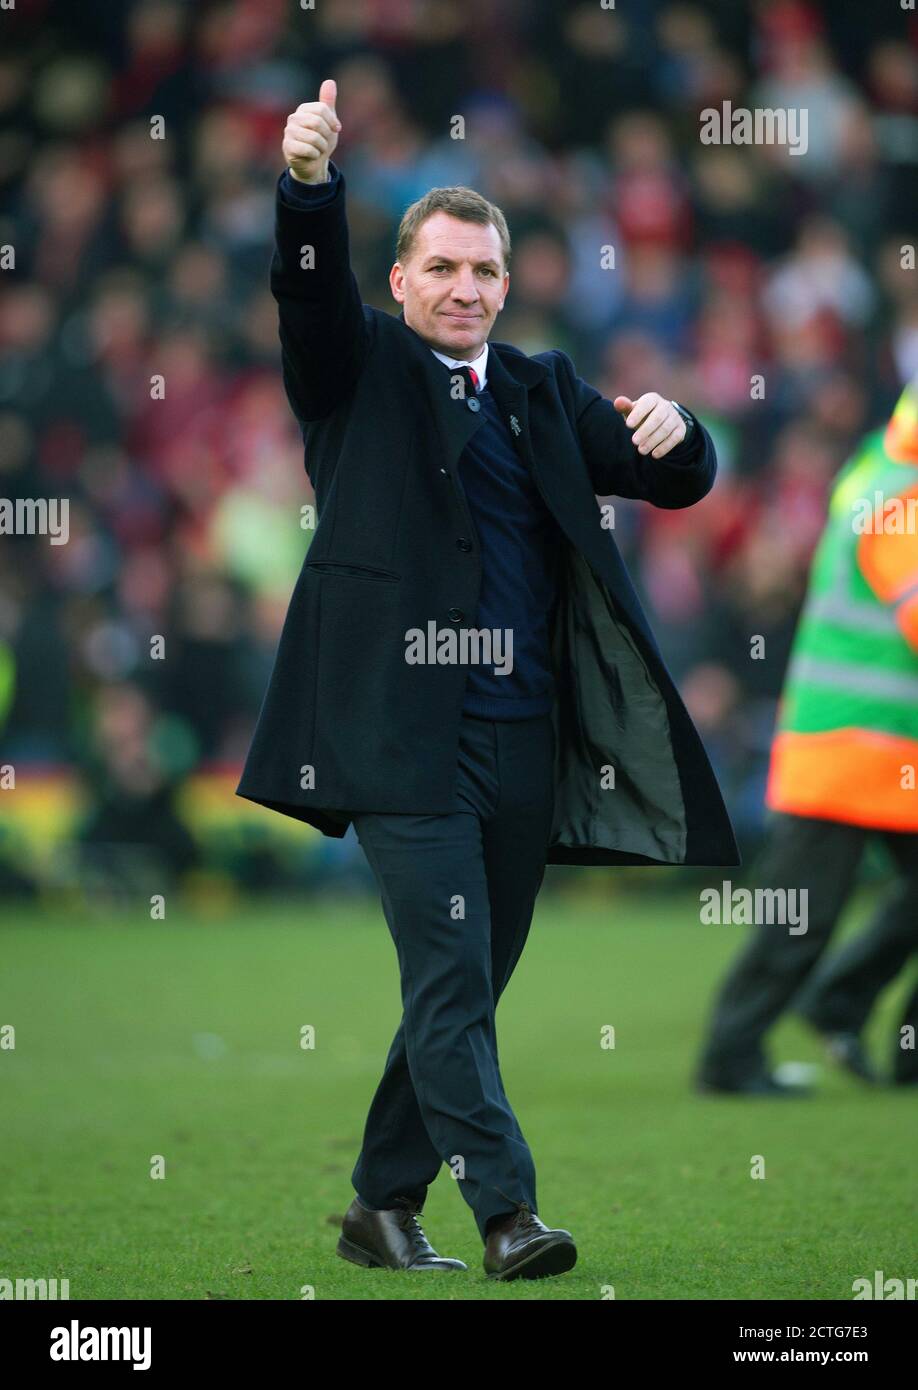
689,422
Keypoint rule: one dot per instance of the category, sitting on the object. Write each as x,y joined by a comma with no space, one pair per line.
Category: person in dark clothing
840,994
464,668
842,770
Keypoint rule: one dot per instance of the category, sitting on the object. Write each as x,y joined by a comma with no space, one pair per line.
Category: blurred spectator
139,366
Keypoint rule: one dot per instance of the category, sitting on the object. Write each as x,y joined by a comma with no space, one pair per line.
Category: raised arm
323,330
679,465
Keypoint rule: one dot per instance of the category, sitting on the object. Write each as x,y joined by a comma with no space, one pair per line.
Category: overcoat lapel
509,381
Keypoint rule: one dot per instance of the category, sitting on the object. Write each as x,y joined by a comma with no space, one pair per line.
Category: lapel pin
514,424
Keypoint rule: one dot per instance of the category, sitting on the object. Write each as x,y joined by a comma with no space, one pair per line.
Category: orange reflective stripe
851,775
888,559
907,617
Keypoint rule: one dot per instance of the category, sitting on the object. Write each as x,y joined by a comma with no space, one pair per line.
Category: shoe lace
524,1211
408,1220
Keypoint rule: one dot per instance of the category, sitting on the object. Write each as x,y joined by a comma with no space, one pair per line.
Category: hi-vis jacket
846,746
347,723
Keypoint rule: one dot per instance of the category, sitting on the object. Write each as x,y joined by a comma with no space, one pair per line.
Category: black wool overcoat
347,723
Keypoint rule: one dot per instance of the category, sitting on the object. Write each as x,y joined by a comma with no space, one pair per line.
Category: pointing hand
661,425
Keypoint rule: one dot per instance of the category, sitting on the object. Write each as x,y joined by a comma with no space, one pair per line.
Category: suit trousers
458,892
775,968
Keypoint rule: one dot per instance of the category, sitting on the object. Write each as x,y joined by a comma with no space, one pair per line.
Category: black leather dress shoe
520,1246
390,1239
762,1084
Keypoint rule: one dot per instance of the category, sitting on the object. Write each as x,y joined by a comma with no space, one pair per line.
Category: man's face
452,287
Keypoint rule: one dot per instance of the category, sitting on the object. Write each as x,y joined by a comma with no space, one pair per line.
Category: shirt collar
479,363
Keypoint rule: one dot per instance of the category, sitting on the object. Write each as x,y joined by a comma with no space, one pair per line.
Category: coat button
463,544
473,404
455,615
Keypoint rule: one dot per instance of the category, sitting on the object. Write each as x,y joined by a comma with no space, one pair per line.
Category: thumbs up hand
661,425
311,136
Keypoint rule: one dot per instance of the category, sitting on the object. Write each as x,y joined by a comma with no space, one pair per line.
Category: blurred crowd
139,152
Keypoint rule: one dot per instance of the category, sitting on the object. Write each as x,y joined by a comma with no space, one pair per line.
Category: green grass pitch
181,1038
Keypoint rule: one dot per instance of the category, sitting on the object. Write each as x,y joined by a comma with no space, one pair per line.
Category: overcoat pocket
337,567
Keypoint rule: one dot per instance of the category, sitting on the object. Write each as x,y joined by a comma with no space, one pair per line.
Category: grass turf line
181,1038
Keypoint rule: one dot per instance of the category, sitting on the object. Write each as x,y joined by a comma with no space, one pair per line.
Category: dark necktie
470,376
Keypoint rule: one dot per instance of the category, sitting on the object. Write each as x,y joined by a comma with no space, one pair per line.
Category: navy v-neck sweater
520,548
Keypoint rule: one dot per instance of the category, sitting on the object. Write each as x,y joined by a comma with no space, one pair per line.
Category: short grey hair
459,202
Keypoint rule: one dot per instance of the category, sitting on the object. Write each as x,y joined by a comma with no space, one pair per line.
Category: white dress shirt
479,363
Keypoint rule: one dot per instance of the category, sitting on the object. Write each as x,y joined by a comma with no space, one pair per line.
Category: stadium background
180,1036
137,256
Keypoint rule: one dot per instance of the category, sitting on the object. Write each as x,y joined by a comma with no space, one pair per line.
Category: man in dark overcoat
464,672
